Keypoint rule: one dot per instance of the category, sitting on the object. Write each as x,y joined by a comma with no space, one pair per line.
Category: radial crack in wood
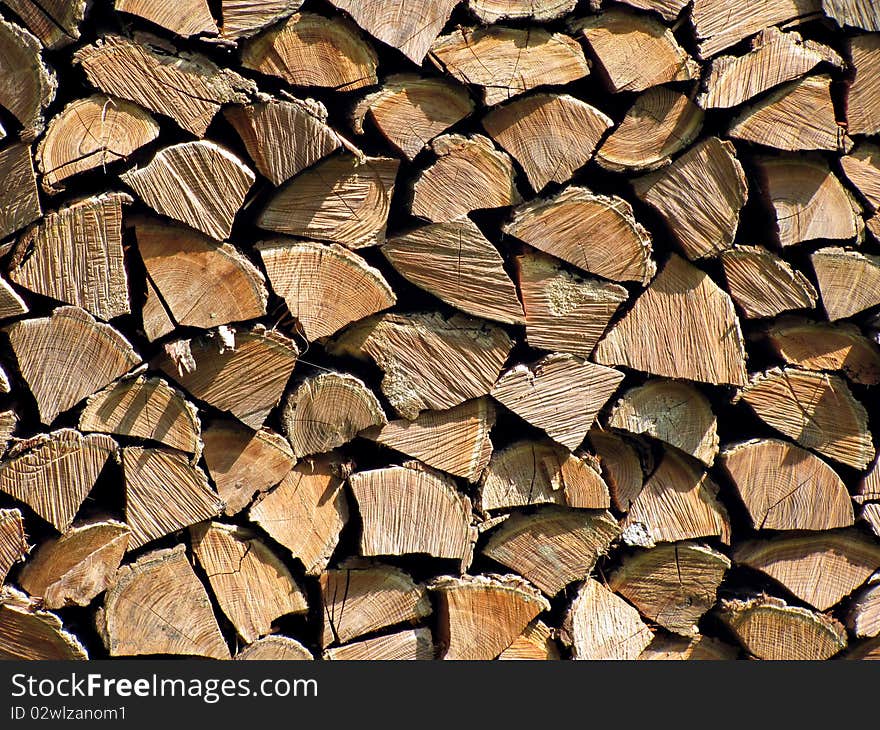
412,645
55,22
536,643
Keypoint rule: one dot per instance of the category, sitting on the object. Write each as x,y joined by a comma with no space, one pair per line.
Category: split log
703,225
600,625
698,335
305,513
456,263
52,473
284,137
75,255
854,13
252,586
198,183
671,411
13,541
30,633
28,85
345,62
536,643
816,410
787,488
429,362
491,11
560,394
358,601
763,284
274,648
506,62
5,386
848,281
187,87
158,606
246,379
340,200
672,585
862,169
678,502
808,201
189,18
871,515
553,546
455,441
244,18
820,569
55,22
550,135
72,569
661,123
775,57
19,198
411,110
863,616
621,467
823,346
701,648
568,224
406,511
635,51
869,489
11,304
329,410
468,174
412,644
156,319
481,616
8,423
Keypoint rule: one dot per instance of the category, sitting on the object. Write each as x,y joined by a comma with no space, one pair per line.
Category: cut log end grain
491,11
56,23
621,466
18,189
244,18
763,284
861,104
410,645
849,281
29,86
536,643
13,541
275,648
863,616
854,13
11,304
862,168
27,632
679,648
189,18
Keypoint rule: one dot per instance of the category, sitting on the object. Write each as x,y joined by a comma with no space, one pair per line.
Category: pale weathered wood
155,317
30,633
863,616
411,644
668,9
680,648
491,11
186,18
27,86
621,466
13,541
11,304
862,168
19,198
55,22
854,13
849,281
244,18
861,109
536,643
274,648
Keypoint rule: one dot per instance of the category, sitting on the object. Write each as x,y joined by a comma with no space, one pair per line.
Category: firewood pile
463,329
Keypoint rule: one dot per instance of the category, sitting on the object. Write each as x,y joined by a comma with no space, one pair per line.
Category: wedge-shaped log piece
409,27
491,11
198,183
541,472
28,85
775,57
660,123
809,201
429,362
798,116
455,440
329,410
816,410
553,546
764,285
671,411
869,489
849,281
854,13
862,113
187,87
274,648
863,616
697,333
345,62
158,606
358,601
156,318
678,502
252,585
246,379
703,225
596,233
243,463
679,648
787,488
719,25
455,262
600,625
19,198
410,110
187,18
673,585
28,632
284,137
506,62
820,568
635,51
536,643
340,200
862,169
565,312
55,22
305,513
560,394
11,304
13,541
480,616
468,174
412,645
75,255
824,346
621,467
72,569
244,18
550,135
53,473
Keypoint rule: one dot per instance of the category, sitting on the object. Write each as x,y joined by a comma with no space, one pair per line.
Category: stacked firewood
463,329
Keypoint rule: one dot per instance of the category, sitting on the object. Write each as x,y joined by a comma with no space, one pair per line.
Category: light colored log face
853,13
13,540
862,114
491,11
274,648
55,22
18,189
411,645
763,284
28,632
244,18
187,18
28,86
849,282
